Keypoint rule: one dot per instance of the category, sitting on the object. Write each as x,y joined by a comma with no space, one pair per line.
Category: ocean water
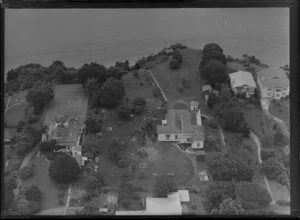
78,36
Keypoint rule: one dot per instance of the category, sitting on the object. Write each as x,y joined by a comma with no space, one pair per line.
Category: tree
212,56
33,193
123,65
252,192
116,72
163,186
211,144
47,146
110,94
272,168
93,124
212,47
177,56
221,167
212,100
215,69
217,191
64,169
27,172
12,75
124,112
90,86
39,97
174,64
8,199
138,105
231,207
93,185
280,139
92,70
231,119
90,208
244,171
27,208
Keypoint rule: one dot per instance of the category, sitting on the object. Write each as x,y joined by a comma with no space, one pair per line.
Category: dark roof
198,134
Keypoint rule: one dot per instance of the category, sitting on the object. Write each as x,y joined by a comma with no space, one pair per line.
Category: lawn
161,160
279,191
195,206
169,79
15,114
69,99
140,86
281,111
46,184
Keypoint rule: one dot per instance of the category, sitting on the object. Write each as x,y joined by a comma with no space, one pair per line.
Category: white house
242,83
182,126
171,205
273,84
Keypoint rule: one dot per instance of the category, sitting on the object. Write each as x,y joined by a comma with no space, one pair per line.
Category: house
68,133
273,84
9,134
242,83
171,205
182,126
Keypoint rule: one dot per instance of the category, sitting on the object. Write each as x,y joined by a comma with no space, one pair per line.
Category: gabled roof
184,195
178,121
241,78
272,77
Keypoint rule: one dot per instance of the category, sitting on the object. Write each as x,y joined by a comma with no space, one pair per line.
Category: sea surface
78,36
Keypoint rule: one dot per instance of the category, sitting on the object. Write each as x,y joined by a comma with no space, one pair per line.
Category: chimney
198,117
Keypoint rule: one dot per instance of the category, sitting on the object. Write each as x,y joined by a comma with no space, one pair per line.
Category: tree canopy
215,72
212,47
92,70
116,72
64,169
244,171
138,105
163,186
110,94
221,167
231,207
33,193
217,191
252,192
39,97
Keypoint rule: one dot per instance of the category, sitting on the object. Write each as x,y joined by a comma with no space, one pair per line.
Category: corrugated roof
184,195
272,77
164,206
241,78
178,121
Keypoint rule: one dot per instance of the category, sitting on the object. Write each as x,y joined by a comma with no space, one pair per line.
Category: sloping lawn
281,111
15,114
195,206
279,191
169,79
46,184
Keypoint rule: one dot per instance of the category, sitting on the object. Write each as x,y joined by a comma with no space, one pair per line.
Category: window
189,140
176,137
278,90
198,144
167,136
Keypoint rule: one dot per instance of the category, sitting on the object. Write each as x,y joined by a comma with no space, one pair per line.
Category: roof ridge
181,123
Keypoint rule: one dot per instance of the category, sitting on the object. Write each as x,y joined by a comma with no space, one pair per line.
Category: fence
157,85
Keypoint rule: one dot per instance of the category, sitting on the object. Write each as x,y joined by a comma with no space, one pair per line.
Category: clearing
169,79
69,99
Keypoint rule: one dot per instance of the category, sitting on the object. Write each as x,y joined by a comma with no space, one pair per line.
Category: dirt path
68,200
257,142
6,108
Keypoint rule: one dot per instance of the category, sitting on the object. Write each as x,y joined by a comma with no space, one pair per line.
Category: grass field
169,79
69,100
282,111
46,184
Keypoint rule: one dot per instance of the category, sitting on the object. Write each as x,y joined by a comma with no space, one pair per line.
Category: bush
124,112
27,208
136,195
34,119
174,64
138,105
282,179
135,206
27,172
33,193
283,203
185,82
156,92
125,203
272,168
177,56
122,163
180,88
267,153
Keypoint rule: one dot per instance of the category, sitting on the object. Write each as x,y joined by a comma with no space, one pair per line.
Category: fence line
157,84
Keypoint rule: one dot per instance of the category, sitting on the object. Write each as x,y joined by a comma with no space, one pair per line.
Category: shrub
135,206
138,105
163,186
177,56
27,208
174,64
180,88
125,203
27,172
11,183
283,203
282,179
272,168
34,119
33,193
156,92
136,195
124,112
185,82
123,163
267,153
